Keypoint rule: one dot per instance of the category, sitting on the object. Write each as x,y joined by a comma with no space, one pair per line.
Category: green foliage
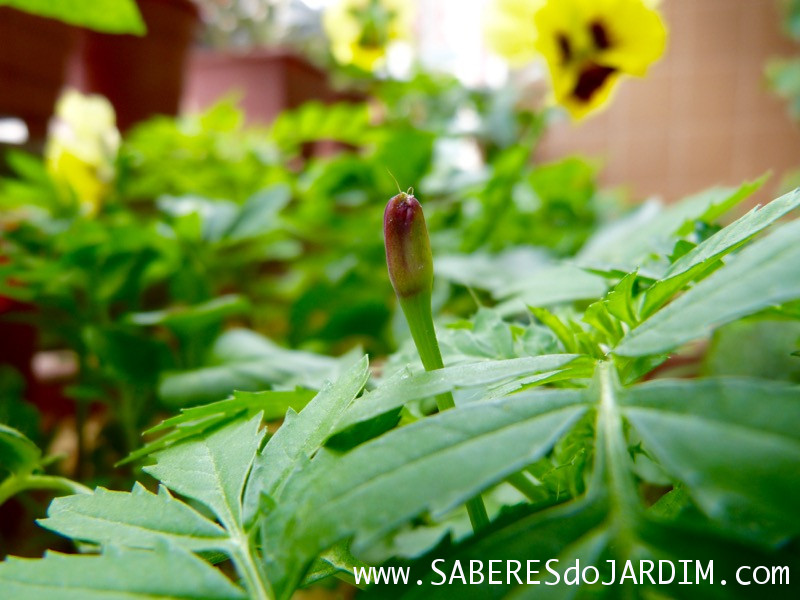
551,205
14,411
22,464
758,347
403,387
211,470
209,155
17,453
300,437
791,23
247,361
138,519
108,16
423,469
234,275
610,521
761,276
117,573
562,424
198,420
704,257
158,531
312,122
783,74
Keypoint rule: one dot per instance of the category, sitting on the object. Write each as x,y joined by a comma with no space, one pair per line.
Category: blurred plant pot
267,81
20,344
33,61
19,339
141,76
20,350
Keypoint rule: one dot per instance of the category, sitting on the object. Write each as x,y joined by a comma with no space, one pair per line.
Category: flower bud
408,249
408,255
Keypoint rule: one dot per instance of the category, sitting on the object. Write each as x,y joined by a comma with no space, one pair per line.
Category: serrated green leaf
139,519
564,334
722,440
434,464
651,229
588,550
163,574
273,405
199,419
620,300
213,469
610,520
336,561
703,256
404,387
526,536
762,275
301,435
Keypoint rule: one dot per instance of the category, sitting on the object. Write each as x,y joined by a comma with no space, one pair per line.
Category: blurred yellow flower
510,30
360,31
82,147
587,44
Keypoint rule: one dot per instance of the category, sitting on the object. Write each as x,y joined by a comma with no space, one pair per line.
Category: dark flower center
600,35
565,47
591,78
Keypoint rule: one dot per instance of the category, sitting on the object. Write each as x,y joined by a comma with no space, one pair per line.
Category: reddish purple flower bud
408,249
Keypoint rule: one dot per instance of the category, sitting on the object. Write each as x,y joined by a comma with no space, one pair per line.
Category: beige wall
704,114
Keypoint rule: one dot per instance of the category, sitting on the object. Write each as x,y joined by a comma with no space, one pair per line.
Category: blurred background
191,193
706,114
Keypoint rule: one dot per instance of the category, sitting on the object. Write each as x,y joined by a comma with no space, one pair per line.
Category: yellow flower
82,147
360,31
510,31
588,44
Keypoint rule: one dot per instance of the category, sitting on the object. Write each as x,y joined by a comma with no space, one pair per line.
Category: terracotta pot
19,339
33,60
267,81
141,76
20,345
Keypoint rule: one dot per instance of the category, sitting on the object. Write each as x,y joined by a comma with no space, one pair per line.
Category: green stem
417,310
525,486
129,418
257,585
613,445
15,484
614,463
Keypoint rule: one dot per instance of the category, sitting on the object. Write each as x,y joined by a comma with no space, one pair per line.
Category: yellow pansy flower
510,31
587,44
360,31
82,147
